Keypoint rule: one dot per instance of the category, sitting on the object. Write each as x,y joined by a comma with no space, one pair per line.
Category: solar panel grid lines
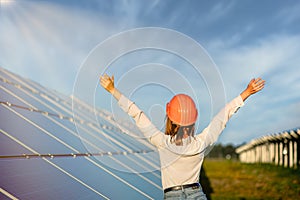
137,161
124,128
32,87
35,152
104,115
7,194
48,114
21,80
42,129
96,147
32,97
73,155
35,110
44,104
152,164
84,105
120,128
21,84
17,85
127,132
102,149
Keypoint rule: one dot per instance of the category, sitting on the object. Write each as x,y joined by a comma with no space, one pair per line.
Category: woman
181,153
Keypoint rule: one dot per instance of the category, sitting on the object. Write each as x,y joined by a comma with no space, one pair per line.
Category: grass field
234,180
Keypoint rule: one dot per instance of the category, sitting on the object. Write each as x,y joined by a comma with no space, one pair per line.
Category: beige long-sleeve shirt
181,165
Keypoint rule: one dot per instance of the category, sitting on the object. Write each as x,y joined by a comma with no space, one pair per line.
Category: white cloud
50,41
261,58
219,10
275,108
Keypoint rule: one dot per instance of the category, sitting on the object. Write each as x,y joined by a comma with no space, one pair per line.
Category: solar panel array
282,149
42,156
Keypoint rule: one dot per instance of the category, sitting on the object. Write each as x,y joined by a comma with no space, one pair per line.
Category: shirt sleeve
211,133
142,121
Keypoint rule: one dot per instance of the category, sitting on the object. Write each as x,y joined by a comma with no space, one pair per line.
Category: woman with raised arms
181,152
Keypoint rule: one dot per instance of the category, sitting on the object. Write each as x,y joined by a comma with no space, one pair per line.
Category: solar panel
42,156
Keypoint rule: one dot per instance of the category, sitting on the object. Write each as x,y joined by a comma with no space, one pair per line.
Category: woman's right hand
107,83
254,86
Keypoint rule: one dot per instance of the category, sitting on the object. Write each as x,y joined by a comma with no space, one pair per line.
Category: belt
181,187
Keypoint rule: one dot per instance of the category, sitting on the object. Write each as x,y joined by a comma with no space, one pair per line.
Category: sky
50,42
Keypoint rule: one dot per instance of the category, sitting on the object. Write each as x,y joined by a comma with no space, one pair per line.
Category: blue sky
48,41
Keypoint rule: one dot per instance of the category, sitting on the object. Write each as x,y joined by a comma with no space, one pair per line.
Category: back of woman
181,151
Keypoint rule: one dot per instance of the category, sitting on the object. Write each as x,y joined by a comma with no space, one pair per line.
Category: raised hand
254,86
107,83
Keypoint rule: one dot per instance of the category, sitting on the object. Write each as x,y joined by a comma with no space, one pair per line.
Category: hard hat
182,110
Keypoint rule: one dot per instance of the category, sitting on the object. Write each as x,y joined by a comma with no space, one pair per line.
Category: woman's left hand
107,83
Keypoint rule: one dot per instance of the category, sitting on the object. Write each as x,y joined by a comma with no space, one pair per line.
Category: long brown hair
177,131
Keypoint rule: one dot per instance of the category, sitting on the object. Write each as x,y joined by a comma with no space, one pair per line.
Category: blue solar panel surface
44,157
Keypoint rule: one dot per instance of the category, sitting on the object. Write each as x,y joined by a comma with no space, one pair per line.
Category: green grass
234,180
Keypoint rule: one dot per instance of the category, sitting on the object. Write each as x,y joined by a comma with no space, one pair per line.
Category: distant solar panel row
282,149
43,157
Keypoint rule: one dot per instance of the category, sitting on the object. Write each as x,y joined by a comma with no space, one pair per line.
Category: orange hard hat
182,110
